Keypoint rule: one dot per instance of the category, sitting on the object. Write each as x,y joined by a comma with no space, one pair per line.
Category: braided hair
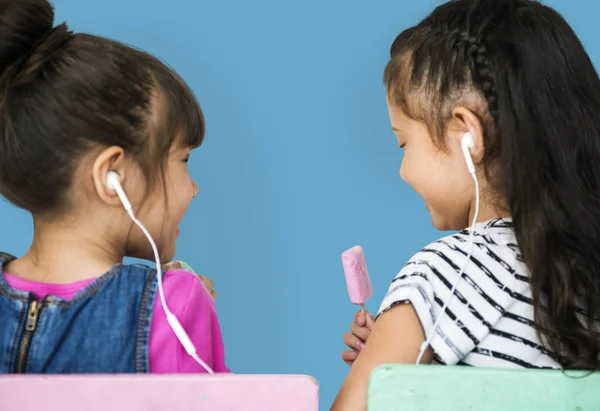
480,70
538,97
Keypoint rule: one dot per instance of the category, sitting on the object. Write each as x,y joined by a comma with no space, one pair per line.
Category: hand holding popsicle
355,340
360,290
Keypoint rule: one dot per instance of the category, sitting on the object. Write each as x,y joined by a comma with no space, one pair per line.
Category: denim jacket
104,328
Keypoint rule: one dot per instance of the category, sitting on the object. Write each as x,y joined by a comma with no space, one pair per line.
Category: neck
490,207
64,253
487,212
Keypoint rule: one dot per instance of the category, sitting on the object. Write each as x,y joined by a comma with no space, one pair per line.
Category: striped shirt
489,321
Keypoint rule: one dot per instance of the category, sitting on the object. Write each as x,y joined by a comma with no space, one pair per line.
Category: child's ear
110,159
464,121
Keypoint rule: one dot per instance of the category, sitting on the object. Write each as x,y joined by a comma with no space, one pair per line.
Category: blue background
299,161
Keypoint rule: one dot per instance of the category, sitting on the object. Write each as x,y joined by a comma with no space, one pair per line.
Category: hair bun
23,25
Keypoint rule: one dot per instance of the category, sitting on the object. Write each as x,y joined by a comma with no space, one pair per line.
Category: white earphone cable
433,332
113,182
173,321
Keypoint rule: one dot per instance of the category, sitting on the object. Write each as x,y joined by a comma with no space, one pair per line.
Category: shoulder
471,280
486,267
195,309
184,288
445,254
492,249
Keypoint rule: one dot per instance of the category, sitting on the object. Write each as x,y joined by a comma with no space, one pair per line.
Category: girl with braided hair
526,291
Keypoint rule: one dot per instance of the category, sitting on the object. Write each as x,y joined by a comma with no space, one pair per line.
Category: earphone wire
434,329
170,316
114,183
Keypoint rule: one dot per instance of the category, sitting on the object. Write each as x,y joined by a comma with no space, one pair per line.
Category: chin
441,226
166,255
445,224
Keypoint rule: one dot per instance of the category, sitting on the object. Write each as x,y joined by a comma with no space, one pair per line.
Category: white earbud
113,182
467,143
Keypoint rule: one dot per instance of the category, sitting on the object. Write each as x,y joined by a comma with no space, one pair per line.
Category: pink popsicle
357,276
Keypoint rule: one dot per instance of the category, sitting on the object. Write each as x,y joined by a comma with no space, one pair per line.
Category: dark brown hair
64,93
541,104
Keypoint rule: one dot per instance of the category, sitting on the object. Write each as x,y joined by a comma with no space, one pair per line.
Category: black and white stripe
489,321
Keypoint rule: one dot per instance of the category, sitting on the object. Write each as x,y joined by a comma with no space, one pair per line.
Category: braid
476,54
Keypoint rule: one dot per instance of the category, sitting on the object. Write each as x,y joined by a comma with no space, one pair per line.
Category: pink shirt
187,299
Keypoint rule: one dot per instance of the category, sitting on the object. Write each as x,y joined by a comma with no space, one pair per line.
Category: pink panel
159,392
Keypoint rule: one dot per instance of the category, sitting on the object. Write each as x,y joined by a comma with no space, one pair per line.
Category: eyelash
187,159
402,146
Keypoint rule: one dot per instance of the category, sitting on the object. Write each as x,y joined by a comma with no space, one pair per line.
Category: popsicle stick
362,306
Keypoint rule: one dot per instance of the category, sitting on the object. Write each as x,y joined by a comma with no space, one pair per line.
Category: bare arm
396,338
